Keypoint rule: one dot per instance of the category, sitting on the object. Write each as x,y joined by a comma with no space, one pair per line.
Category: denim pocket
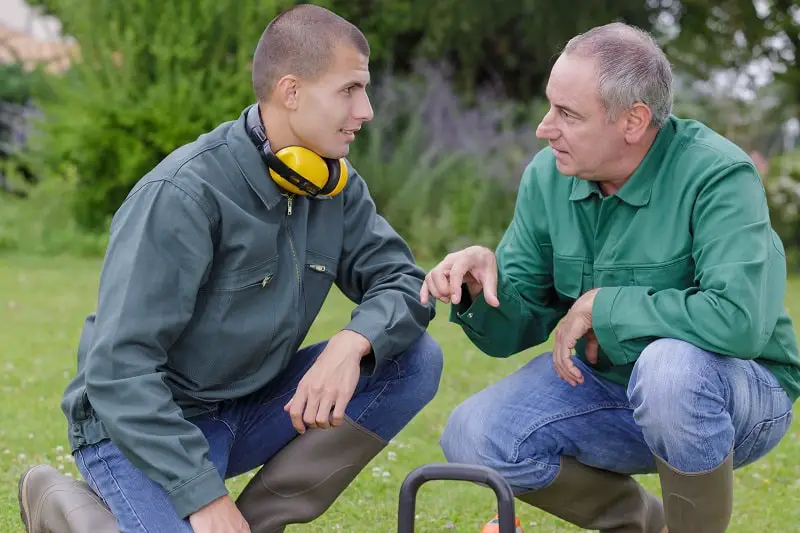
762,439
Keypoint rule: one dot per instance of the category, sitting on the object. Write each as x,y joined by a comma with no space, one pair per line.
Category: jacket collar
638,188
246,153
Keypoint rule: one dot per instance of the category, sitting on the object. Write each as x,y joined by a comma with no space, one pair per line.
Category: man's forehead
572,80
349,63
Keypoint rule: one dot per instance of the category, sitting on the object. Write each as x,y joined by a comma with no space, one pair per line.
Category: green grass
43,302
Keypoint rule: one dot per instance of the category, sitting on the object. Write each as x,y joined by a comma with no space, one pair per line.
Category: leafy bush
152,75
444,174
437,168
43,224
783,195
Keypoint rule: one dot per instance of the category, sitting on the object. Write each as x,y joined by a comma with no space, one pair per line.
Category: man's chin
337,154
565,169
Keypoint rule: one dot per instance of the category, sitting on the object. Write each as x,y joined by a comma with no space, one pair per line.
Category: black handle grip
454,472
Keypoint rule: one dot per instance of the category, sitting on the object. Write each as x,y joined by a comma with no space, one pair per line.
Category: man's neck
278,134
627,165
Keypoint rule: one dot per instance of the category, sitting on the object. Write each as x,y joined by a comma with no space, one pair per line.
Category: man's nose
363,110
546,128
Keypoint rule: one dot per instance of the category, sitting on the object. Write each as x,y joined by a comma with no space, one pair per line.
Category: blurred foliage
755,123
153,75
18,85
783,194
445,174
515,43
735,34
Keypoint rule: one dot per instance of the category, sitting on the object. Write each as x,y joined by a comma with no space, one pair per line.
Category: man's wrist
588,302
351,342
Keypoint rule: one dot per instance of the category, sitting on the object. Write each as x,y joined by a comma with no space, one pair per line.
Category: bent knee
667,367
466,436
424,361
667,381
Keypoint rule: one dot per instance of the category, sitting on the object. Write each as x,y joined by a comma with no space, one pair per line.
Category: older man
644,241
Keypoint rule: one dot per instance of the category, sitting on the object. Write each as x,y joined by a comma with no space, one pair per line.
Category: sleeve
159,253
529,308
378,273
740,274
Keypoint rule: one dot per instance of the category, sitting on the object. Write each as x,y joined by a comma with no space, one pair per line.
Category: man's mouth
350,134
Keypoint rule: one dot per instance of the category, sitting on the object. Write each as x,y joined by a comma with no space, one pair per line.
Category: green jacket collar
637,189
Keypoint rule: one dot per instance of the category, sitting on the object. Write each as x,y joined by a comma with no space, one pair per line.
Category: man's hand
219,516
476,266
329,383
576,325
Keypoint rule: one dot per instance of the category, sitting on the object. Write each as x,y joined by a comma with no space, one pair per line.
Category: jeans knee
471,436
424,361
667,372
675,391
465,435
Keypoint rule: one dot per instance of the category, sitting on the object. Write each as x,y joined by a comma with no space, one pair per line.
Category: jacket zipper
289,198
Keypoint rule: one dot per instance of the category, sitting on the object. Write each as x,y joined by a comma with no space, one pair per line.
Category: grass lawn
43,302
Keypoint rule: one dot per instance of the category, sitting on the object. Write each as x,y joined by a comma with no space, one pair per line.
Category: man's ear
637,120
286,91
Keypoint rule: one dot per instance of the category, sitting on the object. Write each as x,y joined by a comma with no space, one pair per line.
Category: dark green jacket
683,250
210,283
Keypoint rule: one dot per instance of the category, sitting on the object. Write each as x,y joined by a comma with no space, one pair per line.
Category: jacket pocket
569,277
234,322
260,274
319,276
613,276
674,274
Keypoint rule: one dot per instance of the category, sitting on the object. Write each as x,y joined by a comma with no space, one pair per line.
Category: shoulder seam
201,204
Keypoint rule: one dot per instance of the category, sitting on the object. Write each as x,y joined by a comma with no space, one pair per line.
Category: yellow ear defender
299,170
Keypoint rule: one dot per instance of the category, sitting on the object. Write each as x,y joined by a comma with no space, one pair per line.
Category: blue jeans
689,407
244,434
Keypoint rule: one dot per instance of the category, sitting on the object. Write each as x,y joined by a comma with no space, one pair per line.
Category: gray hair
631,68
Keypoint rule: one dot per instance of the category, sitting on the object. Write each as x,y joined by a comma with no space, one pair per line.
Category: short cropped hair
631,68
301,41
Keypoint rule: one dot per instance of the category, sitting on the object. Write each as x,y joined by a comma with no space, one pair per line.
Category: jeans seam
386,386
233,433
760,428
120,491
726,361
90,476
708,451
542,422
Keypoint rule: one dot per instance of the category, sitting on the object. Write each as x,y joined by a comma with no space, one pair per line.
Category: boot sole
23,500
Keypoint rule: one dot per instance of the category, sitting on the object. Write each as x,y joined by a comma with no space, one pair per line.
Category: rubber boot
302,480
697,503
596,499
50,502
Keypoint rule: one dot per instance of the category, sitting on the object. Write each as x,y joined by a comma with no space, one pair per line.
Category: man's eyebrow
567,109
359,84
563,107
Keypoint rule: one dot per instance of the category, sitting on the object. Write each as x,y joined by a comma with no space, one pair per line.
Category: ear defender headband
299,170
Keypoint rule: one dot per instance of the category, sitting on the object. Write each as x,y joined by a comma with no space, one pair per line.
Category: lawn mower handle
454,472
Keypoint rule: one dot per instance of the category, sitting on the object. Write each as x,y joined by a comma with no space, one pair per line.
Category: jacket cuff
197,493
378,340
477,316
602,308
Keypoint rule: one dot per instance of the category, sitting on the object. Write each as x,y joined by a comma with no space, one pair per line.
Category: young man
191,370
645,242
